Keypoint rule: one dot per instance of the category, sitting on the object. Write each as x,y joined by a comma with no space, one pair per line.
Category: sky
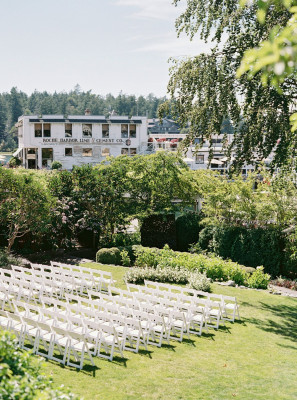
106,46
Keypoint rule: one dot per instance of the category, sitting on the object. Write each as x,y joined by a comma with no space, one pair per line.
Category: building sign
128,142
52,141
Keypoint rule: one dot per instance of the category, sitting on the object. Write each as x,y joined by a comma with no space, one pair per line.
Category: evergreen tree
15,106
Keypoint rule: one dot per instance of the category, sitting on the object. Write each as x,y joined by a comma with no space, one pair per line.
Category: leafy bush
168,274
14,162
120,239
199,282
125,259
109,256
258,280
56,165
21,376
187,230
214,267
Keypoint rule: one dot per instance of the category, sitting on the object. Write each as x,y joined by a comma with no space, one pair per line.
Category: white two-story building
78,139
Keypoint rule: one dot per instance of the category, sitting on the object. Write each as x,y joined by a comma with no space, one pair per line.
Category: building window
68,130
129,152
87,153
105,131
200,159
46,130
124,131
133,131
87,130
197,140
68,151
47,157
105,152
38,130
216,141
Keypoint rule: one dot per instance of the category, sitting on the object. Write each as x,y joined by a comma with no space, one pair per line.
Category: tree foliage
205,89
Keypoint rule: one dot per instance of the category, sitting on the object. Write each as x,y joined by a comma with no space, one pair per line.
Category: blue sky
106,46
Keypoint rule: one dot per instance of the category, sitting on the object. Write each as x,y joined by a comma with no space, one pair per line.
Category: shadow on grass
145,353
168,346
284,324
87,369
189,341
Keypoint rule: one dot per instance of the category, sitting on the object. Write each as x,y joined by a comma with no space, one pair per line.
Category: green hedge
187,230
247,246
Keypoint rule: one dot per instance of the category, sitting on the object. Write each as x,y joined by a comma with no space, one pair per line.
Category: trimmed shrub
187,230
158,230
109,256
168,275
214,267
258,280
199,282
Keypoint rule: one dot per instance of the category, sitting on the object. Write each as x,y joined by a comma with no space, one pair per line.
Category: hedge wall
187,230
250,247
158,230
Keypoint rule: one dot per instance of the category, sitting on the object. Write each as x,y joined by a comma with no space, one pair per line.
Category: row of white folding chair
117,305
83,280
43,284
86,307
174,318
96,334
64,310
43,278
5,297
195,316
64,282
198,311
103,278
103,303
229,305
18,288
50,336
148,328
77,282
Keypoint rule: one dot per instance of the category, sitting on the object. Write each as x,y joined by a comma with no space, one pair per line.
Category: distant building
167,126
78,139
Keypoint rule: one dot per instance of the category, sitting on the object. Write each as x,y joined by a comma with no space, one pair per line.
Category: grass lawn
255,358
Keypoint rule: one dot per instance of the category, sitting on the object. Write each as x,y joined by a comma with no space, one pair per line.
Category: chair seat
80,345
178,323
230,306
198,317
157,328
